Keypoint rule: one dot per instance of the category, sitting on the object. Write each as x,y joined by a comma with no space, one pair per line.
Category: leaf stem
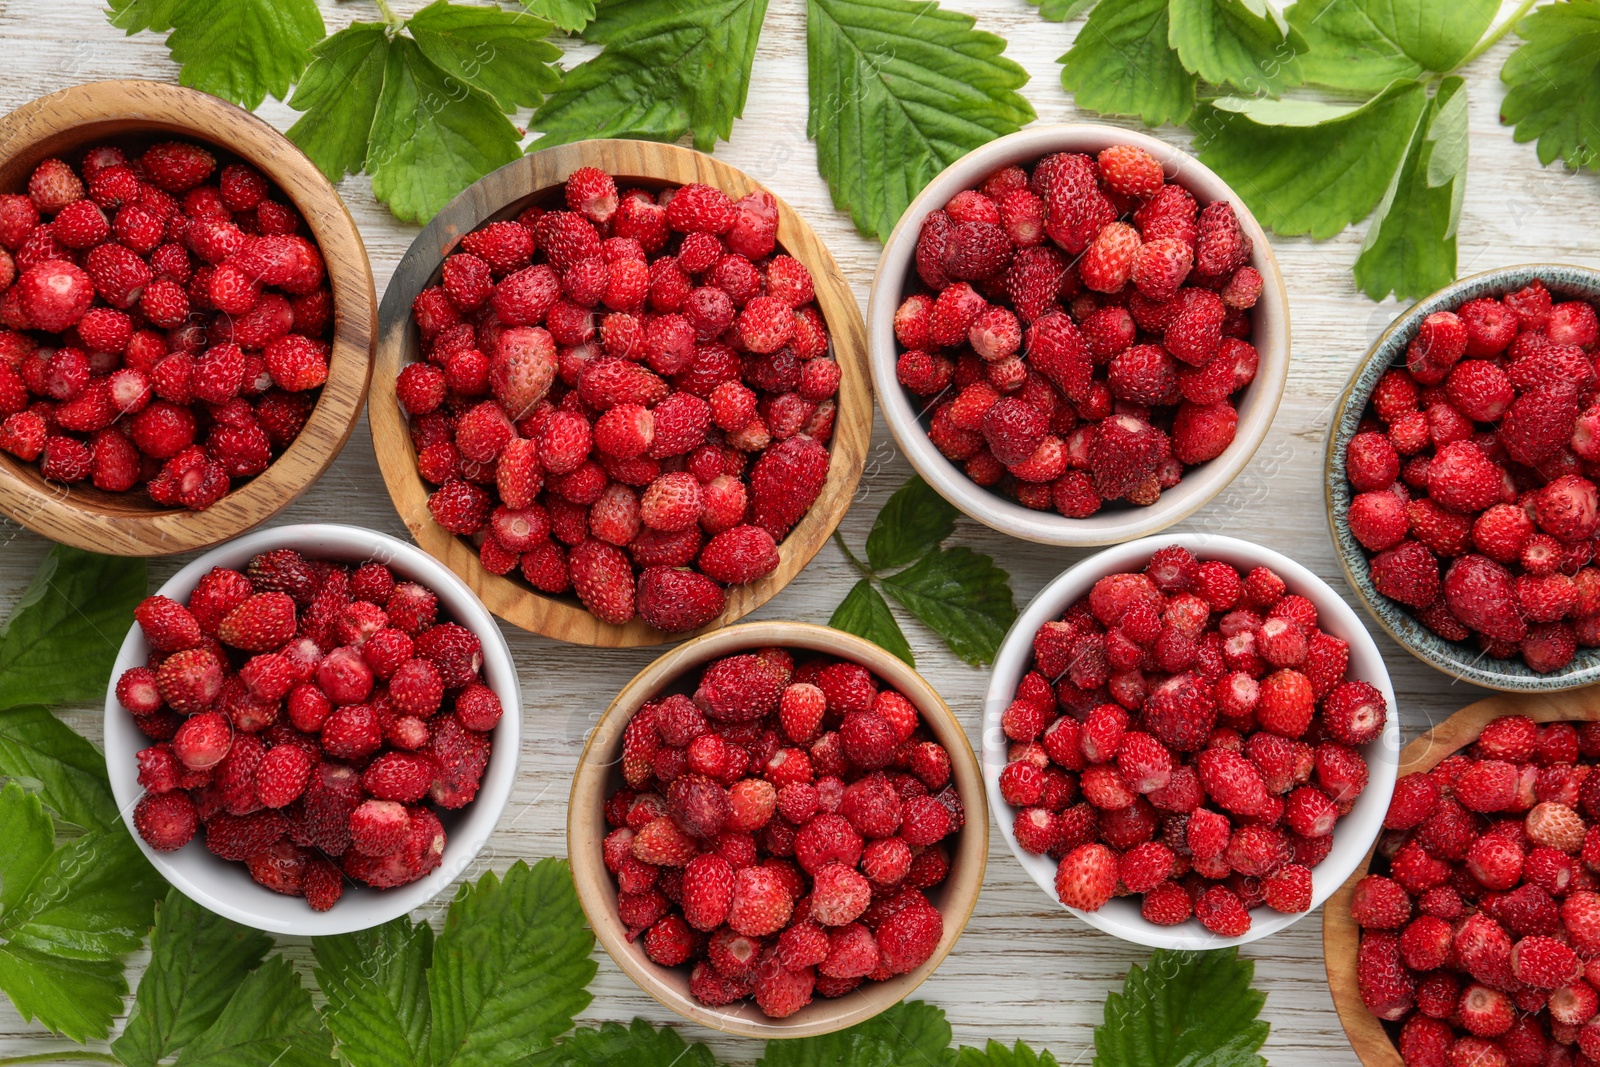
1494,35
389,17
69,1056
862,568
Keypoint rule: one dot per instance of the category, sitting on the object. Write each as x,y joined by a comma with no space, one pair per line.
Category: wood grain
136,113
503,194
1341,938
1023,967
598,775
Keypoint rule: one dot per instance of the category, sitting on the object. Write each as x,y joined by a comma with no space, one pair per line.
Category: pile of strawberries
1187,734
1477,461
1482,940
778,828
1085,328
628,399
303,712
162,323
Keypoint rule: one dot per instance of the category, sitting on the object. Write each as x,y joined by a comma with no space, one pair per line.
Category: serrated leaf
339,95
962,596
913,520
667,70
1363,45
502,53
197,961
1231,42
75,998
29,839
510,967
899,90
910,1034
48,756
433,135
570,16
638,1045
1316,178
1184,1008
997,1055
1121,64
377,989
240,50
1554,82
59,644
1062,10
865,613
269,1022
91,900
1410,248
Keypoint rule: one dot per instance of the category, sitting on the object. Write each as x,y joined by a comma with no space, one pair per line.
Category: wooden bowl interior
133,116
599,774
1372,1039
535,180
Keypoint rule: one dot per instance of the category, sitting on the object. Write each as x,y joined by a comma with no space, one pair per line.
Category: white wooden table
1024,968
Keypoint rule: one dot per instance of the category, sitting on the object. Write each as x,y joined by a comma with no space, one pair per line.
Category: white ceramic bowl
225,887
896,279
1351,838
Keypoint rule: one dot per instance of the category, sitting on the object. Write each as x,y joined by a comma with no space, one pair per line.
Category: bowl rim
492,196
477,820
1262,396
1365,820
593,776
62,122
1399,622
1340,935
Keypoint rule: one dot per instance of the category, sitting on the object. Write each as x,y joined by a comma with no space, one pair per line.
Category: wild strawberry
1086,878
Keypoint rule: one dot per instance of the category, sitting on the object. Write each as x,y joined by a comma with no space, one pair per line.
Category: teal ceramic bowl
1460,659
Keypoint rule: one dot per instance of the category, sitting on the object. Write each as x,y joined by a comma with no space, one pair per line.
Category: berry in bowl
1189,741
1079,336
314,712
770,833
174,330
1461,479
634,396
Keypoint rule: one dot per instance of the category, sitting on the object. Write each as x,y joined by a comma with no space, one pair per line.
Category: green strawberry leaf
639,1045
75,998
1121,64
49,757
197,961
240,50
1307,167
510,967
339,95
64,633
1184,1008
899,90
962,596
1553,80
502,53
913,522
1363,45
1062,10
377,989
29,838
910,1034
865,613
1410,248
997,1055
667,70
269,1022
1242,43
570,16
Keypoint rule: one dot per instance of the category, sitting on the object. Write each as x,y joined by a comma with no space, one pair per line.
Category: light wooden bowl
503,194
1340,936
598,775
140,113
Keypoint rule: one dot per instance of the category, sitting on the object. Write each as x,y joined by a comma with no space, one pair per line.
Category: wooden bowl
503,194
598,775
1340,936
139,113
